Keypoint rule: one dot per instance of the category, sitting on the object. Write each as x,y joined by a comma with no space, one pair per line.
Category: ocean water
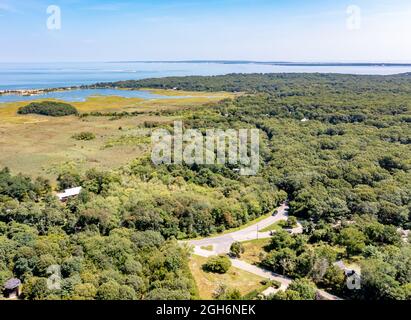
54,75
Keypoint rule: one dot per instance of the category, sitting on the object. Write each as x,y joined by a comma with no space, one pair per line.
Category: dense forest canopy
303,84
337,146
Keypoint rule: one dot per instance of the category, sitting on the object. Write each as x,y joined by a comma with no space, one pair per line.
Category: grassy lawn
253,249
208,248
207,283
274,227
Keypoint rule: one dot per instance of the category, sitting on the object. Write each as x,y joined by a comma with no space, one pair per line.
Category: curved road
221,245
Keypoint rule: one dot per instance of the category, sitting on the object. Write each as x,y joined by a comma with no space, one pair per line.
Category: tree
282,261
281,240
99,181
378,281
407,291
237,249
305,288
334,280
49,108
392,214
127,293
217,264
286,295
137,283
167,294
84,291
68,180
109,291
353,239
71,266
291,222
378,233
131,266
36,289
225,293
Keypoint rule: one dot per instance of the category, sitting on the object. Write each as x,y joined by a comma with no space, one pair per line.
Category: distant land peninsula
280,63
129,84
35,92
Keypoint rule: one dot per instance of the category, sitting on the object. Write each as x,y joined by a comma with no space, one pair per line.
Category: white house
69,193
347,271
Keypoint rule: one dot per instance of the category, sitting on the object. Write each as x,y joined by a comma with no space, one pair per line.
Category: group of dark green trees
49,108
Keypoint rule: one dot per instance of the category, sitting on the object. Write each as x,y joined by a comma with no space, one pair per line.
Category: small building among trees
69,193
12,289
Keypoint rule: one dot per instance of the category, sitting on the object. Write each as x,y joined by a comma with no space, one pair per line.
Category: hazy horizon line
233,61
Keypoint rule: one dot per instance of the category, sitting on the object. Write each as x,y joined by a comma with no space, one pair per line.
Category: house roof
12,284
69,193
348,271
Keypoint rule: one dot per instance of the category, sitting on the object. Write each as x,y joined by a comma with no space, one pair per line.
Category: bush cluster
217,264
84,136
49,108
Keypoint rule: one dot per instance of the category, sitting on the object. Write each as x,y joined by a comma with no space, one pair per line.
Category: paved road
239,264
264,273
221,244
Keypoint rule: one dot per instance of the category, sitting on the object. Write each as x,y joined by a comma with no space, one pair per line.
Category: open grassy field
207,282
40,145
208,248
253,250
277,226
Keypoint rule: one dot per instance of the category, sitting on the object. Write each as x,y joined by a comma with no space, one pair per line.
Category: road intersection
221,245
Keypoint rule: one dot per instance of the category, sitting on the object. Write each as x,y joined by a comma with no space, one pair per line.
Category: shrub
217,264
109,291
68,180
305,288
49,108
237,249
84,136
291,222
224,293
300,289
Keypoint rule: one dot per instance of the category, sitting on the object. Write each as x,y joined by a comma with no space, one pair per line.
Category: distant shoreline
28,92
278,63
35,92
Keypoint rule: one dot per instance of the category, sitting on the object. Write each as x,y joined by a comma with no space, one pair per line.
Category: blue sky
286,30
